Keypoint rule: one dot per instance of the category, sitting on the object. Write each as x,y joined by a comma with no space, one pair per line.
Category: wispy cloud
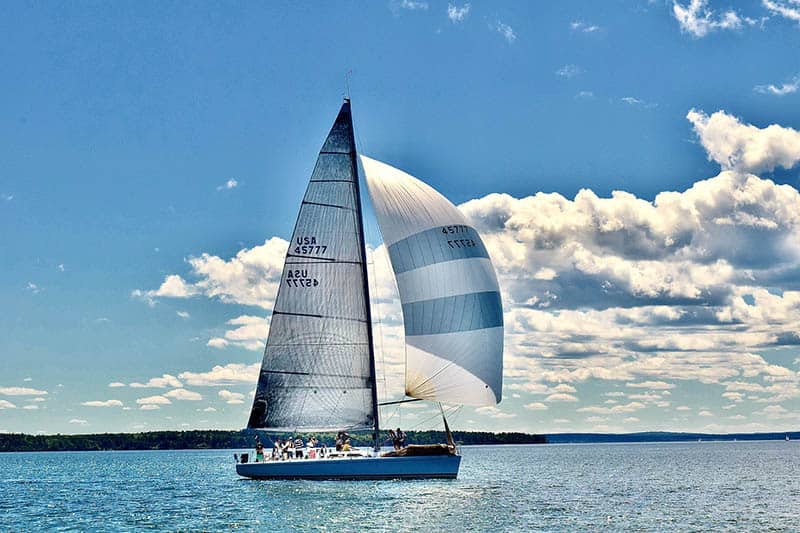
789,9
779,90
569,71
79,422
584,95
21,391
505,30
183,314
699,20
457,14
583,27
6,197
5,404
412,5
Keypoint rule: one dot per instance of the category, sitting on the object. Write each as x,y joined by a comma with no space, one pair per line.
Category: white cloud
33,288
228,185
631,100
789,87
457,14
561,397
744,147
61,267
413,5
231,397
631,420
183,394
31,407
217,342
250,334
21,391
569,71
506,31
220,375
103,403
584,95
5,404
699,20
153,400
536,406
249,278
150,407
654,385
79,422
182,314
584,27
683,408
165,381
705,413
116,384
209,410
7,197
789,9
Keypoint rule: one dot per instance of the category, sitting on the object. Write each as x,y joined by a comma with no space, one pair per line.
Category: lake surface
743,486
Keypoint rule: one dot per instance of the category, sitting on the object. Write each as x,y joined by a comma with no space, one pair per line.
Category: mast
363,249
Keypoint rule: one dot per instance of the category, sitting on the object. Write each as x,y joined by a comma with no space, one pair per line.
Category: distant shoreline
243,439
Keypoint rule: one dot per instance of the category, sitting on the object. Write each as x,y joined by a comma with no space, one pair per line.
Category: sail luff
363,249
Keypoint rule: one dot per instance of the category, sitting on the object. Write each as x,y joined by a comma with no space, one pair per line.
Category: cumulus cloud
5,404
655,385
220,375
699,20
457,13
231,397
183,394
250,333
163,382
103,403
249,278
116,384
744,147
153,400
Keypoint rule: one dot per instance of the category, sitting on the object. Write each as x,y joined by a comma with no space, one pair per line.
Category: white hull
419,467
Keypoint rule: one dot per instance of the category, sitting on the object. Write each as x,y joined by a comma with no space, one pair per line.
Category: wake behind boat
318,372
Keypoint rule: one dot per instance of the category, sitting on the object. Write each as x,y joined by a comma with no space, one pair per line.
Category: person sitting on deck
259,450
401,438
298,448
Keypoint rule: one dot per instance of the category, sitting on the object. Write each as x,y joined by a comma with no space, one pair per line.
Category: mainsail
318,368
451,302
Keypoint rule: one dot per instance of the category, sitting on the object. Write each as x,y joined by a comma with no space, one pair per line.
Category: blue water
743,486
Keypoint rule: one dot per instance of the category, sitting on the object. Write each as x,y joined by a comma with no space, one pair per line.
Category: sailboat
318,373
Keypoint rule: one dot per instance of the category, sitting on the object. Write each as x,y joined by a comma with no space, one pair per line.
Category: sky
633,168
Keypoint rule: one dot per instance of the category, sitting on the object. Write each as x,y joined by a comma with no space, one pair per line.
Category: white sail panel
452,310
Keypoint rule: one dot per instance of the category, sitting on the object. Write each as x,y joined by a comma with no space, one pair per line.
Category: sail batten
451,302
318,370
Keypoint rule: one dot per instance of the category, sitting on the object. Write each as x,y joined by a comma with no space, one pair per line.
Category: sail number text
458,243
309,246
299,278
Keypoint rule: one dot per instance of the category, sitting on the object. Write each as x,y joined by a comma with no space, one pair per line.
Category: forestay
316,374
448,289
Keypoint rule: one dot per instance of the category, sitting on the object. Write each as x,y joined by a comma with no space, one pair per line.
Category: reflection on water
741,485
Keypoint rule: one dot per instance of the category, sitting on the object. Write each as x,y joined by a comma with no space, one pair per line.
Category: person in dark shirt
401,437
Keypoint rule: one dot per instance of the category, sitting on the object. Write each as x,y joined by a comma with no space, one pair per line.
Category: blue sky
137,137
